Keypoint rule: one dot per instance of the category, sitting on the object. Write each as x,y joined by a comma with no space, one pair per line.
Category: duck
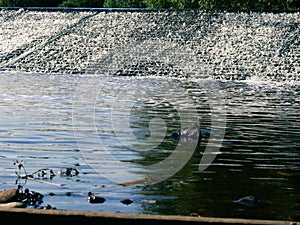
95,199
126,201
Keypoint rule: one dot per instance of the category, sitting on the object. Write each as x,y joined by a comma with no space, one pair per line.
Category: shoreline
98,10
38,216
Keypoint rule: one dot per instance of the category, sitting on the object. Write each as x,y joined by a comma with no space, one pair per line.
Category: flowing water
103,91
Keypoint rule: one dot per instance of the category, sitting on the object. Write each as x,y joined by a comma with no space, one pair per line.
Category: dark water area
102,92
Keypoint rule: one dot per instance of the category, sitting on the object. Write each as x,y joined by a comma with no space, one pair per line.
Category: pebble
31,197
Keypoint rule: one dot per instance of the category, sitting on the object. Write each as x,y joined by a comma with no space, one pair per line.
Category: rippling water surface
98,93
259,154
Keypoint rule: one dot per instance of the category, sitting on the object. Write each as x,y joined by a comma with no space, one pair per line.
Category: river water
102,93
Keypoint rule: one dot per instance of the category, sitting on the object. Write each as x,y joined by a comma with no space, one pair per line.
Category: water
236,74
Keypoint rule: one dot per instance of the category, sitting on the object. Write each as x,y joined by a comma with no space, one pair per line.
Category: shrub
83,3
124,4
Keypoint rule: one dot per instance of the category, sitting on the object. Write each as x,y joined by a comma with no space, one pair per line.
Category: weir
223,45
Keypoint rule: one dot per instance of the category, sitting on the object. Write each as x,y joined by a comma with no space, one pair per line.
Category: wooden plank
38,216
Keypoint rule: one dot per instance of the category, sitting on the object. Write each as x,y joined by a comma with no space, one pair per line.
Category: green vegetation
178,4
224,4
124,4
53,3
248,4
31,3
82,3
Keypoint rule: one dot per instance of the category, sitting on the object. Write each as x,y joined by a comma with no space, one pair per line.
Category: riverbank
36,216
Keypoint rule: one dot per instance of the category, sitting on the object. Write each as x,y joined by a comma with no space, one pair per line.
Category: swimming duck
95,199
126,201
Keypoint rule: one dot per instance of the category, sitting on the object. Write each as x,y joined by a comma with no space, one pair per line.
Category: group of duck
18,198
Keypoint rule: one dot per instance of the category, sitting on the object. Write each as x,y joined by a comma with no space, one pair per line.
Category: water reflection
259,154
137,119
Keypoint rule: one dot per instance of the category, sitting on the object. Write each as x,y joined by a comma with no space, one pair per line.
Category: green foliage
82,3
53,3
293,4
178,4
245,4
224,4
124,4
158,4
31,3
